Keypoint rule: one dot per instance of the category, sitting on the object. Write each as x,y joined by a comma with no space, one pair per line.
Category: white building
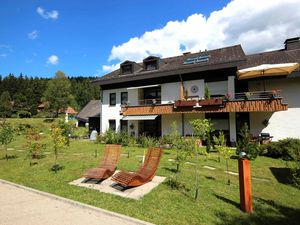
146,97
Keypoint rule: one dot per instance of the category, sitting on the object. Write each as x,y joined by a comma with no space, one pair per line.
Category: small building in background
90,114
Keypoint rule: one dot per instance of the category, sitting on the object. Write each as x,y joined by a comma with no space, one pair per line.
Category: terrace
258,101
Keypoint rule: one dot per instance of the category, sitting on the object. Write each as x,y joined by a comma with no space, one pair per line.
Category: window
112,125
151,65
126,69
124,125
124,98
112,99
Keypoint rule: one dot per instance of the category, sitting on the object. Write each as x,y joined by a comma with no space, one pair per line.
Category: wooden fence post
245,185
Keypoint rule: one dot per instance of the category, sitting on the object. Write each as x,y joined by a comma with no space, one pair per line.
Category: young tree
34,145
202,129
206,92
6,136
5,105
245,145
59,142
58,93
224,151
183,150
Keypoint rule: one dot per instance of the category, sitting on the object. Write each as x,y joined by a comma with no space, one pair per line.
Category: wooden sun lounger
144,174
107,166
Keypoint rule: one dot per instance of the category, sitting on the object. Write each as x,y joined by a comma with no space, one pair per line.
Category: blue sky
89,38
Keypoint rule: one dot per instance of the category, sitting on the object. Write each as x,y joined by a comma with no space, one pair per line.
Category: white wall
167,120
111,112
166,123
188,129
171,91
282,124
199,83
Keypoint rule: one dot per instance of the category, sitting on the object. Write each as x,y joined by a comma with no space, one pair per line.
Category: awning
141,117
148,86
267,70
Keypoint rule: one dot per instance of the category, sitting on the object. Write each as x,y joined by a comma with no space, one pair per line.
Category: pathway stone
209,167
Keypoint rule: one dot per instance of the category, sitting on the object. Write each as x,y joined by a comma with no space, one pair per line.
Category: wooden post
245,185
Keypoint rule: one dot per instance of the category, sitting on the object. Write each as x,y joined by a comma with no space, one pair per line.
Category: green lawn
274,202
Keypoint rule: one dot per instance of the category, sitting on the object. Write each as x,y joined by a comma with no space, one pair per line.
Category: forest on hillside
24,94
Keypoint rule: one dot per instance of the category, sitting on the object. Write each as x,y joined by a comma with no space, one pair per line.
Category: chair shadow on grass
265,212
282,175
9,157
173,170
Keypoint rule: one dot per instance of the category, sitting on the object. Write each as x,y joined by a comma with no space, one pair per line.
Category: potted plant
228,96
248,95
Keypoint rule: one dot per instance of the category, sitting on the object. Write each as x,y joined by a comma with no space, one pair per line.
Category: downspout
100,106
182,122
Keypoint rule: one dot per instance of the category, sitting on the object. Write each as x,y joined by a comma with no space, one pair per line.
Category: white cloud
53,59
3,55
33,35
257,25
47,14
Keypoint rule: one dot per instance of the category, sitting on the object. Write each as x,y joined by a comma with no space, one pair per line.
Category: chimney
292,43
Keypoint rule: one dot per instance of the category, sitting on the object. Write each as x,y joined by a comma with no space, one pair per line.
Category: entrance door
150,128
241,119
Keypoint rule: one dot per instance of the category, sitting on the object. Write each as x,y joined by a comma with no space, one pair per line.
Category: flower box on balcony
214,102
185,103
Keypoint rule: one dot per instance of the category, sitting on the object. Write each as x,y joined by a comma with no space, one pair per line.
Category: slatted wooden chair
108,165
144,174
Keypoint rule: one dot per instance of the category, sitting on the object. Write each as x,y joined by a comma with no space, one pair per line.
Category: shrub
79,132
66,130
287,149
146,141
109,137
166,139
34,144
6,136
24,114
244,144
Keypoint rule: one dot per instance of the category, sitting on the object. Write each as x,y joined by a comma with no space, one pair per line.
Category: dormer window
151,63
126,69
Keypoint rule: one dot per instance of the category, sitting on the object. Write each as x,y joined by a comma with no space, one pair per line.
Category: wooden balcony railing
259,101
257,95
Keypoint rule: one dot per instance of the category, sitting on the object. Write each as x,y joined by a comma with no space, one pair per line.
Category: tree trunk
228,181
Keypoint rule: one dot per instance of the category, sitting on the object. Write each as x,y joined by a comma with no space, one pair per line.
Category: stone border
78,204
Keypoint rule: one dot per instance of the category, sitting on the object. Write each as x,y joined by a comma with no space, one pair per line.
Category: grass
273,202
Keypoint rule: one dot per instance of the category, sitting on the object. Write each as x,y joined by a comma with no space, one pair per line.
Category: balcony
259,101
152,101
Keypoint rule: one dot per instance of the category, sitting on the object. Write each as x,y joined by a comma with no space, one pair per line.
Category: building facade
147,97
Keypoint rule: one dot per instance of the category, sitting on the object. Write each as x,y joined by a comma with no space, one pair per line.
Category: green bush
287,149
24,114
109,137
245,144
145,141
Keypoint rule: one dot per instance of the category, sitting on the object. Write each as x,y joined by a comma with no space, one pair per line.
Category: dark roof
92,109
272,57
218,59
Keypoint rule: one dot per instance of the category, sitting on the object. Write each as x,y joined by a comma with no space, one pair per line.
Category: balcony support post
182,124
232,127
